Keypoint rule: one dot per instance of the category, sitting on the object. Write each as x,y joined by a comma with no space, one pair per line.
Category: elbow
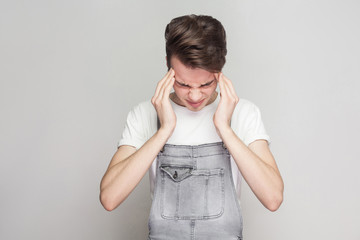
274,202
275,198
107,201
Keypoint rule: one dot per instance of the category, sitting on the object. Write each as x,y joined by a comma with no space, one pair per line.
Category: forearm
121,179
130,167
263,178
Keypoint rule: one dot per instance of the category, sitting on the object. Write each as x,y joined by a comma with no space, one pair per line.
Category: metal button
175,175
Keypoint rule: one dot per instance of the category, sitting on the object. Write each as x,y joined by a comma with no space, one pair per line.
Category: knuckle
158,102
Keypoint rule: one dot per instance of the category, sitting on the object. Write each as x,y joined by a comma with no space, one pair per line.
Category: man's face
194,87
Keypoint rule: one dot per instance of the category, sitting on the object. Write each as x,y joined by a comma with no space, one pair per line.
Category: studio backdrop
71,70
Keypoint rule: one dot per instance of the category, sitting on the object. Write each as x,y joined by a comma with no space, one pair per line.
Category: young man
196,143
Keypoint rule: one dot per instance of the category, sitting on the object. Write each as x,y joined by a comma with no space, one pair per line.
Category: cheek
210,90
180,91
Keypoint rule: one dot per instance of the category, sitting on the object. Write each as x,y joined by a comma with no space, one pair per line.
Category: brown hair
198,41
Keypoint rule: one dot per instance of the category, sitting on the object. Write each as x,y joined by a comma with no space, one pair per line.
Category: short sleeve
254,127
134,133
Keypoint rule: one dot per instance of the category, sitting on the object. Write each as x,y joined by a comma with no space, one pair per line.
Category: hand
162,104
227,104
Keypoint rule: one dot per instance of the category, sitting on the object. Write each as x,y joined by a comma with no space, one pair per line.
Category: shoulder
140,125
145,105
142,115
245,107
143,109
246,115
247,122
142,118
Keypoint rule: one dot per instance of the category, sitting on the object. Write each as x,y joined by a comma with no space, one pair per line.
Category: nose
195,94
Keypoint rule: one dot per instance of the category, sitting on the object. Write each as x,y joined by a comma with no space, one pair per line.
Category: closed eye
182,85
207,84
187,86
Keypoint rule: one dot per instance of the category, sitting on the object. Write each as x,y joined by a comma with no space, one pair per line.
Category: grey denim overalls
194,195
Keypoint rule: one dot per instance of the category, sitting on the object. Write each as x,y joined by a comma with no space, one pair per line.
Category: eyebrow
182,84
202,85
208,83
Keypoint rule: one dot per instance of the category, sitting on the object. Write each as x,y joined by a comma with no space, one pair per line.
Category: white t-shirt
194,128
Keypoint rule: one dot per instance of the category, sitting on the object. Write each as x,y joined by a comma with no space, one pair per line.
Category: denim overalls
194,195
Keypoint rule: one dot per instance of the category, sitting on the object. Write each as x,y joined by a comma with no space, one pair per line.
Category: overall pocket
188,193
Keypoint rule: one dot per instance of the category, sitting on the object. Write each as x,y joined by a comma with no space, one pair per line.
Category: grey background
71,70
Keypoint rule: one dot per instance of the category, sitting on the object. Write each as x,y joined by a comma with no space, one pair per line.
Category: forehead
190,76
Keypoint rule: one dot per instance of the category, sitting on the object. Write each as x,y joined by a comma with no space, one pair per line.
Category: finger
226,95
160,85
161,82
217,76
170,78
227,90
165,90
230,86
230,91
221,84
227,87
169,85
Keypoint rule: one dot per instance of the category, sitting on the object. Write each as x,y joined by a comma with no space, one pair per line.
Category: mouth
195,104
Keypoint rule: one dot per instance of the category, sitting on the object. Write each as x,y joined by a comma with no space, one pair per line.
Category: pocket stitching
199,172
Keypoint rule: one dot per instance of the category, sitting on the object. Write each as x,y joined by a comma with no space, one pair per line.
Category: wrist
222,124
165,132
223,130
